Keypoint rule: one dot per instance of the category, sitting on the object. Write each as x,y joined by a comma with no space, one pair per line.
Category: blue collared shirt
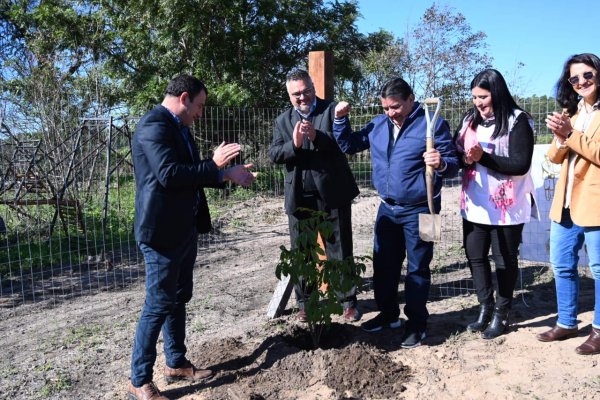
312,108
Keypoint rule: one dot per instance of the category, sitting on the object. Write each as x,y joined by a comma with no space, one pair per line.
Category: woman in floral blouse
495,143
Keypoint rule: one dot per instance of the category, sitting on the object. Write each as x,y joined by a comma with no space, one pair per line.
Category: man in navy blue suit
170,210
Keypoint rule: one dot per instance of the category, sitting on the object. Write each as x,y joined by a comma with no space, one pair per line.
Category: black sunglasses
574,80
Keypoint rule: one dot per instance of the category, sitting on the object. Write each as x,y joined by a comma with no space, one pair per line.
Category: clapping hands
559,124
225,153
303,129
474,153
240,174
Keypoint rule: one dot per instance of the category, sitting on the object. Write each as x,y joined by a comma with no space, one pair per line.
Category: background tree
129,50
515,81
385,57
242,51
94,55
445,54
49,60
51,78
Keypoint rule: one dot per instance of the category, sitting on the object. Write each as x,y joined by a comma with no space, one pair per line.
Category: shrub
328,277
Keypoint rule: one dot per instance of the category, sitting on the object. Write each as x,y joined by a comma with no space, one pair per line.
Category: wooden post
322,257
320,69
280,297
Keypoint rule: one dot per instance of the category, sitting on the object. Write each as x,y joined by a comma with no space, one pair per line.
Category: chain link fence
67,197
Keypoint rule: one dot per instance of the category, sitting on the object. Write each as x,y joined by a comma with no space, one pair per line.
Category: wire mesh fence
67,198
66,205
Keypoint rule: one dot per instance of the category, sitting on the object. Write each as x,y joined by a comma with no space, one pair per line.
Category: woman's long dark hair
502,101
566,96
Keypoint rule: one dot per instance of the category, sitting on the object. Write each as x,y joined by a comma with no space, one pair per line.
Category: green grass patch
29,242
85,336
52,386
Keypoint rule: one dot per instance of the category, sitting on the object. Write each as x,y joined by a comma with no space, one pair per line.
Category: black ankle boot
485,316
498,326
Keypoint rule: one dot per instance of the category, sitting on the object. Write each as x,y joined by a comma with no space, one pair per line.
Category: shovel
430,225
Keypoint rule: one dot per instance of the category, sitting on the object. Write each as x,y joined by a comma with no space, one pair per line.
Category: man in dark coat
318,175
170,211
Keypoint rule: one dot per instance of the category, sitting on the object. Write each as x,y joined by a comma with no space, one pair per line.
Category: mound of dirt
281,367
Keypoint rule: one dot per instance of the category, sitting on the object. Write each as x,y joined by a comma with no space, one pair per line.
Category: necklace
486,123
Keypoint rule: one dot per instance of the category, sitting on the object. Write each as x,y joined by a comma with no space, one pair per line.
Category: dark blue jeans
168,288
397,238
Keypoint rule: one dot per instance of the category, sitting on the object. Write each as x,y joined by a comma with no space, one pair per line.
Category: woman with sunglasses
575,213
495,143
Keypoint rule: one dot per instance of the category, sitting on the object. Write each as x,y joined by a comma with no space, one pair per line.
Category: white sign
536,234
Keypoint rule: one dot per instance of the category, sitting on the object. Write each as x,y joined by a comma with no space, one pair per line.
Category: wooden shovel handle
432,100
429,178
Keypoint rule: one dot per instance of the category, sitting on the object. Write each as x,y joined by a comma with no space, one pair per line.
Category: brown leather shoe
186,373
149,391
352,314
301,316
557,333
591,345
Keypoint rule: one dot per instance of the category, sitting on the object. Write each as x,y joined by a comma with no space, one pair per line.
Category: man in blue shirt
399,157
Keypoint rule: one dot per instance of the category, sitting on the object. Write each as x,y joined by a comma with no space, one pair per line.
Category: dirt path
80,349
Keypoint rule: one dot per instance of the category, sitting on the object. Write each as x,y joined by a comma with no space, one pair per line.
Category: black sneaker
379,322
412,338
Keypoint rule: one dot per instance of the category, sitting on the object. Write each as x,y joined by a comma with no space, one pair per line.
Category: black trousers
505,241
337,247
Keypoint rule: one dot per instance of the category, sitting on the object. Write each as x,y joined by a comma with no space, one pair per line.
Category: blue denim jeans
566,239
168,288
397,238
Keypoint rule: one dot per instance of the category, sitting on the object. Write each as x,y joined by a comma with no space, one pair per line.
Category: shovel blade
430,227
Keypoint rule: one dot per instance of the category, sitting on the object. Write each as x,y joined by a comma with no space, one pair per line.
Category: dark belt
310,195
393,202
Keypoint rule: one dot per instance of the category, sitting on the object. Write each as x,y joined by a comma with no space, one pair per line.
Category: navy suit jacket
168,182
328,164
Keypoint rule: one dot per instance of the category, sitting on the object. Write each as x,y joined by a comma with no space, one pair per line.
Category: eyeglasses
305,92
574,80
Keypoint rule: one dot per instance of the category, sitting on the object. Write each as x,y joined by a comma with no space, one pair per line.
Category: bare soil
80,348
